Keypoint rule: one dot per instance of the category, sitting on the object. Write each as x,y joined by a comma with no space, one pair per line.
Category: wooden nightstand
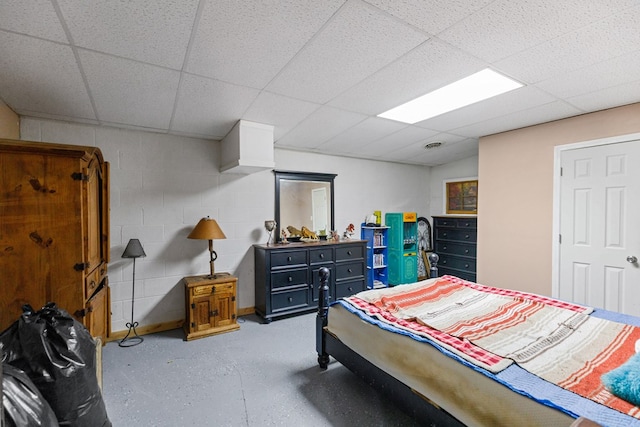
210,305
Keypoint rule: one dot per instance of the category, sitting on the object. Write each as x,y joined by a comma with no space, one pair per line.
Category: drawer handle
290,279
290,299
349,270
466,236
466,266
321,256
443,262
349,253
466,251
289,259
350,289
444,234
92,285
444,248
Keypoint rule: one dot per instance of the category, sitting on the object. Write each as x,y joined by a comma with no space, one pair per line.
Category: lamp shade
133,250
207,229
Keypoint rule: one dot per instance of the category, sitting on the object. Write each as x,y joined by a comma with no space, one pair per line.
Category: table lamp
208,229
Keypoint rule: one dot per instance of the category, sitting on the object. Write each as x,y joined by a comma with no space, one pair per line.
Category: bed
441,385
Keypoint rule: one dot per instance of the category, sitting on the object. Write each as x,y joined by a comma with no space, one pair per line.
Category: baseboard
167,326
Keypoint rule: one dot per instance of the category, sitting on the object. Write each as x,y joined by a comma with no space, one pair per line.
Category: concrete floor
261,375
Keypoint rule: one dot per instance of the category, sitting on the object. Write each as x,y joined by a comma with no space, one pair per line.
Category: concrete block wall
161,185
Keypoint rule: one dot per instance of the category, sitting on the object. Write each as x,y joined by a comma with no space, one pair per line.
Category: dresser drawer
456,235
288,259
319,256
349,252
457,263
348,288
462,249
293,298
455,222
349,270
291,277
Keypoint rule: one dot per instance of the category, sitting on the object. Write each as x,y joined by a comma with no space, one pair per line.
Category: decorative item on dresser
455,242
286,275
54,231
133,250
210,305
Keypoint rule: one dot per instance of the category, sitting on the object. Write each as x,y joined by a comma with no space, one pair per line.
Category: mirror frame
301,176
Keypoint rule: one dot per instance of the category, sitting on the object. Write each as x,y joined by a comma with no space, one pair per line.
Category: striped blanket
492,328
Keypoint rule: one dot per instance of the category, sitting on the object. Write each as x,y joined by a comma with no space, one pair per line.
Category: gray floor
261,375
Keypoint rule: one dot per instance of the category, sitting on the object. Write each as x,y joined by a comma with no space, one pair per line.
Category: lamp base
130,341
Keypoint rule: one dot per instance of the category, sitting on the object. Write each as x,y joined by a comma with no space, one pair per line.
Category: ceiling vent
247,148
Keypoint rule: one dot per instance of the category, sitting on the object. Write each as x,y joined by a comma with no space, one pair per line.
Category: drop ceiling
318,71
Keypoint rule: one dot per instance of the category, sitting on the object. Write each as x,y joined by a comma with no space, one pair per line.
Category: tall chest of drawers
287,278
455,242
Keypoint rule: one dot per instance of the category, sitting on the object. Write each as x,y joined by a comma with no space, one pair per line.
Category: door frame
555,228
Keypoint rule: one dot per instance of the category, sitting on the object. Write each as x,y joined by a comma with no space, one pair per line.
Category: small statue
348,233
308,234
284,237
335,236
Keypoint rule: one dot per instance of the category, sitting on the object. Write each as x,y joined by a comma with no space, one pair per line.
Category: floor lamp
133,250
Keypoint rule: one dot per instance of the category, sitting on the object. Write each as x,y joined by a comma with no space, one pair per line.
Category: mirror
304,199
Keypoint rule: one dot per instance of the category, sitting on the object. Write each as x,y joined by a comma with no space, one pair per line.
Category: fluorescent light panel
477,87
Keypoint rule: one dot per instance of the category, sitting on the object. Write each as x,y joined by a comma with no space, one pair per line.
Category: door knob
632,259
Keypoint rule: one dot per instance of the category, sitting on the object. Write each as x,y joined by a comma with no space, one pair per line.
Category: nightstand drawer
289,278
349,252
461,249
288,259
290,299
319,256
349,270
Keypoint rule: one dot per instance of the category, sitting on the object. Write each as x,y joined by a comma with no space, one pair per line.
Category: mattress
474,396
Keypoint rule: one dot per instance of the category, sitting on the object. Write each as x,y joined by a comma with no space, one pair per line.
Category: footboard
321,318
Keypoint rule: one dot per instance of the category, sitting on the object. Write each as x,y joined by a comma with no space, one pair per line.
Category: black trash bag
59,355
23,404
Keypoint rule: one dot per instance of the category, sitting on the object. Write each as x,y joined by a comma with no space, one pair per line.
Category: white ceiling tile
249,42
357,42
541,114
361,134
515,100
431,17
153,31
608,98
506,27
279,111
322,125
613,72
452,149
611,37
33,17
129,92
405,137
429,66
54,83
210,107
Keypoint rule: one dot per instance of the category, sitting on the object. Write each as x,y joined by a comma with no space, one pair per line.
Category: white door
600,228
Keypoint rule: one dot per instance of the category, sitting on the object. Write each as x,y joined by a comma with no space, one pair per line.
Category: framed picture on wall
461,196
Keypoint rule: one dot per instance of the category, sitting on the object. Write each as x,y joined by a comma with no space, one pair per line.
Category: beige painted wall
515,202
9,123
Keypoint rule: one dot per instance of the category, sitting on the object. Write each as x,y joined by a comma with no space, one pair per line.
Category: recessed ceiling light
476,87
434,144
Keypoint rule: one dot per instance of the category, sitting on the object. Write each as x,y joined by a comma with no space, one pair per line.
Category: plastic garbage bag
59,356
23,404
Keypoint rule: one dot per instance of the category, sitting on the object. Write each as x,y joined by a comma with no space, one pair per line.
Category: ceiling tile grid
319,72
